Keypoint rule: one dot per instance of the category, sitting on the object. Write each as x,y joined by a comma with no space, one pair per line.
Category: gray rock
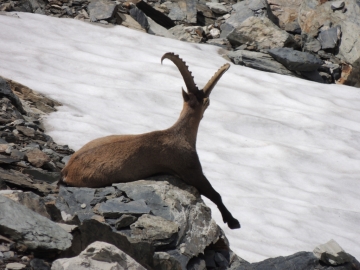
217,8
32,201
125,221
176,13
337,4
98,255
42,175
221,42
329,38
158,30
26,227
140,17
259,61
314,76
331,253
295,60
5,91
159,231
261,33
170,260
101,10
39,264
195,223
114,208
312,45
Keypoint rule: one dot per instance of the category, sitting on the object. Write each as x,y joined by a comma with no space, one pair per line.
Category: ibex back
125,158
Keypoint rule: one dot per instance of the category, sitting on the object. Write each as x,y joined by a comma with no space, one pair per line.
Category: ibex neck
186,127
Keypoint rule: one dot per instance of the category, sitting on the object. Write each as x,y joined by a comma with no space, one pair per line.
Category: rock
30,132
101,10
337,4
125,221
259,61
39,264
32,201
260,33
176,13
15,266
295,60
287,14
190,34
158,230
215,33
114,208
155,15
158,30
37,158
5,91
331,253
221,42
313,15
204,15
217,8
28,228
128,21
329,38
98,255
140,17
312,45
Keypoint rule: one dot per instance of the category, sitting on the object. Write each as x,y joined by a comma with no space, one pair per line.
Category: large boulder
259,61
159,221
296,60
260,33
32,230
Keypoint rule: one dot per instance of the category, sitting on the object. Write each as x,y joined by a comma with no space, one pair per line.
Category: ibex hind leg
206,189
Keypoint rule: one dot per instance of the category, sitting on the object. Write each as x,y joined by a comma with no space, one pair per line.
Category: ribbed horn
213,81
184,70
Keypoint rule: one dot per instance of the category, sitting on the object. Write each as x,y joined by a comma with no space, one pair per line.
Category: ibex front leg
204,187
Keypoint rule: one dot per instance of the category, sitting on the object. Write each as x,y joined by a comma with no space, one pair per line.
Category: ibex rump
125,158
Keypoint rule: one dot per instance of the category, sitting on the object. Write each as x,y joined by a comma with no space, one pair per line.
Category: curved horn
184,70
213,81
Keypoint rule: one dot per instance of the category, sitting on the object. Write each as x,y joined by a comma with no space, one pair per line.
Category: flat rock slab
114,208
296,60
329,38
26,227
101,10
259,61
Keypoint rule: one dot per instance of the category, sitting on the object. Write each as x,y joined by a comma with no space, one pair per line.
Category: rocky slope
312,39
157,223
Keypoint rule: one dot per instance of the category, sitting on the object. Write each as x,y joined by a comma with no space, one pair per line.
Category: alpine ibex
125,158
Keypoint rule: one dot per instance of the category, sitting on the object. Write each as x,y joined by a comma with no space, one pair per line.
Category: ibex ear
185,95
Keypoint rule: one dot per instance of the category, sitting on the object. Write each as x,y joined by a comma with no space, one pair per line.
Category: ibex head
197,100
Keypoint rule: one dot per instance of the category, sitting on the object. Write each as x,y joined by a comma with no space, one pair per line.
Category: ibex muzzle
125,158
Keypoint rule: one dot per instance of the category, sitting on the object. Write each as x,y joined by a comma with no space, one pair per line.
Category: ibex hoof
233,224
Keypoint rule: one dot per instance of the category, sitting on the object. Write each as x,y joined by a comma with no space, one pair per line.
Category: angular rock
140,17
260,33
37,157
331,253
190,34
101,10
98,255
125,221
155,15
295,60
158,230
217,8
259,61
15,266
287,14
337,4
329,38
30,200
5,91
28,228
